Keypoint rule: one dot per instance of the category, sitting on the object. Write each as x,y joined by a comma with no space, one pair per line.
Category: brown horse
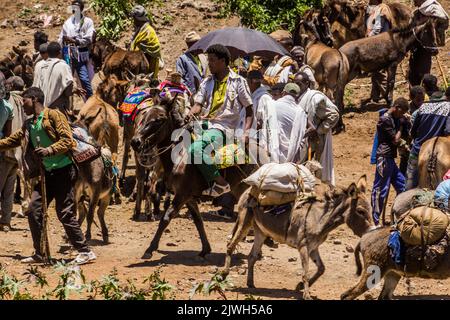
434,162
386,51
348,19
114,60
183,180
330,65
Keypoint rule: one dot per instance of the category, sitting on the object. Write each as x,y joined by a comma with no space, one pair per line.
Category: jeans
412,172
386,173
8,175
83,74
60,186
200,151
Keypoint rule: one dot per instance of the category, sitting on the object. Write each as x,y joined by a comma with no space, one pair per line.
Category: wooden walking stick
442,71
44,245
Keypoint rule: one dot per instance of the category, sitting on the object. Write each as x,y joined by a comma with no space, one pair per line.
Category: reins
421,43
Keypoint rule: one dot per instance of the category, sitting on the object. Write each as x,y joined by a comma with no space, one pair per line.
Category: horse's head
156,126
100,49
315,26
332,9
323,27
441,29
352,207
427,34
112,90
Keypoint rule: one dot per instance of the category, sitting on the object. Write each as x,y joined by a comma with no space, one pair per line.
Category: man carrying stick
48,136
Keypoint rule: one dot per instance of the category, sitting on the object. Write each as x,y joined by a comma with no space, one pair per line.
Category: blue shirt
6,114
189,70
442,193
431,120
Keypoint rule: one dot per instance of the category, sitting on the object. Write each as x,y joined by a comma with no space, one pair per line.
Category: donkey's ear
353,191
362,184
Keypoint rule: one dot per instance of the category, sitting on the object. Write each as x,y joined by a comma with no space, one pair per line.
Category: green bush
268,15
114,15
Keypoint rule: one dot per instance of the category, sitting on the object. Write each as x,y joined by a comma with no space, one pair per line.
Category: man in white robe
284,126
322,115
54,77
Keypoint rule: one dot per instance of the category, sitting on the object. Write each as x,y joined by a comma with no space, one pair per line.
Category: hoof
121,183
300,286
251,285
105,240
88,236
307,297
147,255
205,252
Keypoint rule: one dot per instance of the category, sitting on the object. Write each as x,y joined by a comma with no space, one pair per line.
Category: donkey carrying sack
423,226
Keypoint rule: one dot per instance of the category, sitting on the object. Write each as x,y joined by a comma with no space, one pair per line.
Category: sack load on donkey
423,226
277,184
421,237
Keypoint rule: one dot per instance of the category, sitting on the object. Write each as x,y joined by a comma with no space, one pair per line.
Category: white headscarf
432,8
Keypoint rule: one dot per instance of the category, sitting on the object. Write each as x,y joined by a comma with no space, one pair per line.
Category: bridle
421,43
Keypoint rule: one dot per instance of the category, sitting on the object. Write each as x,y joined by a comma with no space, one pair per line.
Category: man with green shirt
225,101
48,136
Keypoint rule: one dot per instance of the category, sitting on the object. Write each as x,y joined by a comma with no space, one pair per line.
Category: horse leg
240,230
196,216
359,288
102,206
339,101
304,257
177,204
156,199
90,216
254,255
126,152
82,211
166,201
315,256
140,184
390,283
391,71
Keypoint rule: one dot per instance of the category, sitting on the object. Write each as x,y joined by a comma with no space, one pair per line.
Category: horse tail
357,259
431,165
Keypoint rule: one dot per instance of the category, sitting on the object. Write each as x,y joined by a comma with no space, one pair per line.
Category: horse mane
403,31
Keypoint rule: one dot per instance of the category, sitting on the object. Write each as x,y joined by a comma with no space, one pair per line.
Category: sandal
217,190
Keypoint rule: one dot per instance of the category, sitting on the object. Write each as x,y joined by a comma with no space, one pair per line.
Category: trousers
386,173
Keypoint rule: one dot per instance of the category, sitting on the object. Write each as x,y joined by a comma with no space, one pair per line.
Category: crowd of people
276,98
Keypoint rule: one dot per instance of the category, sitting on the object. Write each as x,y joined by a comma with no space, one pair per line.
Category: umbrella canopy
241,42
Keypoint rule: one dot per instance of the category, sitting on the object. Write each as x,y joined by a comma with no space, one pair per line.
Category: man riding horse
222,97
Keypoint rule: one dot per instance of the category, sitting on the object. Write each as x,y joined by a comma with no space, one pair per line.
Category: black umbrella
241,42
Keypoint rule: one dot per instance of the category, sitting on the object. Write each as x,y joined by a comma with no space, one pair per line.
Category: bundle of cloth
276,184
421,237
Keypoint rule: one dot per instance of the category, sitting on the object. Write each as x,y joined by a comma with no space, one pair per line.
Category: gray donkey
305,227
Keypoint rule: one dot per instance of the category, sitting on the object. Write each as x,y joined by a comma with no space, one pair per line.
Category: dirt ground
277,274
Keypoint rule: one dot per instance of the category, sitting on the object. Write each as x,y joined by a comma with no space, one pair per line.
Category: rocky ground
277,273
